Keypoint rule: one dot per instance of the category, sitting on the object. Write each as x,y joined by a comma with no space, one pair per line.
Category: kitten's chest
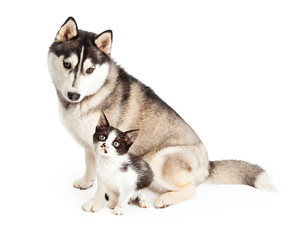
109,170
114,176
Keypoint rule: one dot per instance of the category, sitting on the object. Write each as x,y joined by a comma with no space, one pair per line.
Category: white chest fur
109,170
80,126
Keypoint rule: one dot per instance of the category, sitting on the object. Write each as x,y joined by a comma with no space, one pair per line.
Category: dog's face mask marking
78,61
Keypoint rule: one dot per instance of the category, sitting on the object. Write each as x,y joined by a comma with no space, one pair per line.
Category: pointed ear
131,136
67,31
98,128
104,41
103,121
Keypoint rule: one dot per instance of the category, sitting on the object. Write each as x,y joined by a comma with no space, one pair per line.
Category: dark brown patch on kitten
143,169
103,129
125,140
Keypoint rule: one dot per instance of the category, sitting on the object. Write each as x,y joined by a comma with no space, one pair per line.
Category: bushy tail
239,172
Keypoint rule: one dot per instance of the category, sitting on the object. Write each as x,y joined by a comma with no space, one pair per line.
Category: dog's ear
104,41
103,122
131,136
67,31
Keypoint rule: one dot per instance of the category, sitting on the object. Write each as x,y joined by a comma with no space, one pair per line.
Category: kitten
121,177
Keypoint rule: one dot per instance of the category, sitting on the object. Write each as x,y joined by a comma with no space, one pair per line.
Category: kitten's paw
143,204
83,183
111,204
93,205
119,210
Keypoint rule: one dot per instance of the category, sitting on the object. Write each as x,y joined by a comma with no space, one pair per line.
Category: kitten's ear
98,128
103,121
131,136
67,31
104,41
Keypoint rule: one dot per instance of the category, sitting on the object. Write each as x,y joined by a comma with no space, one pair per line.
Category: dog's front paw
83,183
119,210
93,205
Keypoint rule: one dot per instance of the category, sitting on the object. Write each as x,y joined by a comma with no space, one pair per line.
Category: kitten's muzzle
104,147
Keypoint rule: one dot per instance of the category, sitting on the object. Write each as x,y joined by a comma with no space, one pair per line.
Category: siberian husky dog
88,81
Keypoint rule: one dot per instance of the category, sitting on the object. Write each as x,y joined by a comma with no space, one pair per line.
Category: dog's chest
81,126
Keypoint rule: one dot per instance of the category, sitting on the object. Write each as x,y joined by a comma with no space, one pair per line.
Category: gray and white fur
88,81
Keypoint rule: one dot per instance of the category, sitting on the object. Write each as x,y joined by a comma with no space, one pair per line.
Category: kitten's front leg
142,199
96,203
112,198
123,200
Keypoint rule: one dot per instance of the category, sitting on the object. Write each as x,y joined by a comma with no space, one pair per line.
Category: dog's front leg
90,172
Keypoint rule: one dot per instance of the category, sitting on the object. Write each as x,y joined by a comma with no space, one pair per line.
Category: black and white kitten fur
120,175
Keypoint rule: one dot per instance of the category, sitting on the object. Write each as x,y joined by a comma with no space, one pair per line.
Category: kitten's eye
116,144
102,138
67,65
90,70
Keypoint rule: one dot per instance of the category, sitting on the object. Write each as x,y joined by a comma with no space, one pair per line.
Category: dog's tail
239,172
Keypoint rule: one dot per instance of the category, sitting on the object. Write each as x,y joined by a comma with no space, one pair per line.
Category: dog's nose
103,145
73,96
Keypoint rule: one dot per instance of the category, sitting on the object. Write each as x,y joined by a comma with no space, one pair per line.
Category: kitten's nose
73,96
104,147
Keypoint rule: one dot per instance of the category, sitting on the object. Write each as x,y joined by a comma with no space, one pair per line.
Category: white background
229,68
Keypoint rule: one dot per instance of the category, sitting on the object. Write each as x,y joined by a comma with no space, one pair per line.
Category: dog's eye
102,138
67,65
90,70
116,144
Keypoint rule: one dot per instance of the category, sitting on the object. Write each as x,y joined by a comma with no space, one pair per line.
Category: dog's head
79,61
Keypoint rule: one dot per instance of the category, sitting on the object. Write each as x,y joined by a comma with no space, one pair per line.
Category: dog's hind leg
174,197
177,175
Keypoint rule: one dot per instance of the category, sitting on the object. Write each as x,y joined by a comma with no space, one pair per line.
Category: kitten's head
110,141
